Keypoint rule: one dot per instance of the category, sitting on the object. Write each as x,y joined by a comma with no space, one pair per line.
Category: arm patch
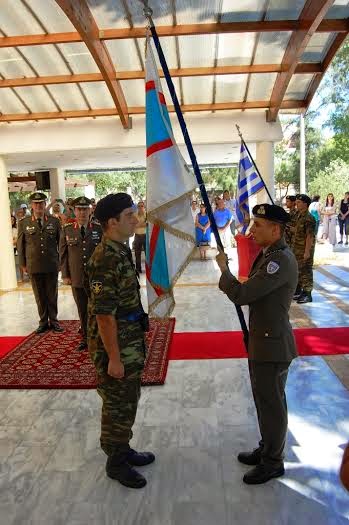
272,267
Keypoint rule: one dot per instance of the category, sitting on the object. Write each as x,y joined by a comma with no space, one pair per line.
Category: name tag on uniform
50,227
30,229
95,235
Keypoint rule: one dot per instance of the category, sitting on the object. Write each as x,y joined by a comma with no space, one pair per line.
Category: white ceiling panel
78,57
230,88
340,9
97,94
45,60
317,47
271,47
9,103
235,49
194,12
68,97
112,13
242,11
197,51
284,9
36,98
12,65
261,86
134,91
298,87
197,90
124,55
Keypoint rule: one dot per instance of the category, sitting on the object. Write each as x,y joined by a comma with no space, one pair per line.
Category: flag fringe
169,292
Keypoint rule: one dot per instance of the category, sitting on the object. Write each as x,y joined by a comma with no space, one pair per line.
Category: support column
8,278
302,181
57,183
265,164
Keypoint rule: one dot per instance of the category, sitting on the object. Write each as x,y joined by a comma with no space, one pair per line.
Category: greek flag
249,183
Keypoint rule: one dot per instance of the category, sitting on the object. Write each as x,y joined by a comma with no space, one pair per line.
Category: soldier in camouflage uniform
293,213
303,247
116,337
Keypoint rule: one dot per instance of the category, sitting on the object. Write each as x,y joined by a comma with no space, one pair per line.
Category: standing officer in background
78,241
37,245
303,248
116,329
293,214
271,348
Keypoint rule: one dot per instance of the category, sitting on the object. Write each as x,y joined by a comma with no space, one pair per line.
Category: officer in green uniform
116,337
37,246
293,214
77,243
303,248
271,348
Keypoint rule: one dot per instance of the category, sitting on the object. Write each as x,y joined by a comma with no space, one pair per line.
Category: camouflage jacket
289,231
113,289
305,225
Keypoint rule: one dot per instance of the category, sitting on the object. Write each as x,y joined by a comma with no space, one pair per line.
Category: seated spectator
203,231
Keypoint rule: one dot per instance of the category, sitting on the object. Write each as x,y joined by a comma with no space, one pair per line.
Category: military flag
170,184
249,183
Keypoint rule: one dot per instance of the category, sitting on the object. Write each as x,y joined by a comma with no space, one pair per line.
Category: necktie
40,223
83,232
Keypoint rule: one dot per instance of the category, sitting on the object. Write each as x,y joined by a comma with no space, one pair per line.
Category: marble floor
52,470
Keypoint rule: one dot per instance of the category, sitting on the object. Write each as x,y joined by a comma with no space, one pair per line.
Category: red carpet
227,345
49,360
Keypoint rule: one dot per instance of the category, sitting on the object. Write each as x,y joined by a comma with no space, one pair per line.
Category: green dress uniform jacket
268,292
38,247
75,251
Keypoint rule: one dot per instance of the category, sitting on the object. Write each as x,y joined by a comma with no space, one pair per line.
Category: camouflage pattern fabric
113,290
289,230
305,225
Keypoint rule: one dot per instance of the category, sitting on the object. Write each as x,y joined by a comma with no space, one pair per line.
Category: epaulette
67,224
274,251
21,219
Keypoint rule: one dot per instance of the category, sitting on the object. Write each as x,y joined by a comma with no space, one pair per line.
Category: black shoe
81,346
140,459
56,328
251,458
305,298
124,473
261,474
340,242
298,292
42,328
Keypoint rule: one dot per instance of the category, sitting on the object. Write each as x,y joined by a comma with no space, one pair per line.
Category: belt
133,316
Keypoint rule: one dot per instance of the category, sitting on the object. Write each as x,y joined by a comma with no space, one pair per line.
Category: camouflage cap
304,198
113,204
271,212
81,202
37,197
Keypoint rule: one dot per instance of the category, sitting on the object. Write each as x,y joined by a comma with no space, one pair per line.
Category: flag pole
253,162
148,14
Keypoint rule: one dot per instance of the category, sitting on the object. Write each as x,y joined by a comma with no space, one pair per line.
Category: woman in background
343,218
203,231
329,219
315,210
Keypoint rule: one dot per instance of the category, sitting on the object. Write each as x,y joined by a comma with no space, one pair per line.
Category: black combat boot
140,459
262,473
297,293
251,458
118,468
305,297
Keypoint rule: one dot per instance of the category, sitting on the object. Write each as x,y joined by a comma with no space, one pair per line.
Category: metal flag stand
148,12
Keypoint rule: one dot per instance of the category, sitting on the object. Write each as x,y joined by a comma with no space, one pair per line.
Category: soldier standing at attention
271,348
303,248
291,225
116,329
78,241
37,246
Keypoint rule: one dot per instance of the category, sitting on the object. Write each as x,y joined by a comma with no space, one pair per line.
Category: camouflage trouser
305,273
120,398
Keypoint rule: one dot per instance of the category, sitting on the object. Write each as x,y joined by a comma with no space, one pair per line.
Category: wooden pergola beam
82,19
305,68
327,26
140,110
311,17
336,44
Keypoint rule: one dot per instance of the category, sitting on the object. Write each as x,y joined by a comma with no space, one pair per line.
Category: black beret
81,202
291,198
271,212
304,198
111,205
37,197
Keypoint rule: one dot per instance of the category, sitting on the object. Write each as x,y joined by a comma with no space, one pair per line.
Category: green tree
333,179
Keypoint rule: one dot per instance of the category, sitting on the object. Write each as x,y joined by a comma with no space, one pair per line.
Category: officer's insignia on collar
272,267
97,287
261,210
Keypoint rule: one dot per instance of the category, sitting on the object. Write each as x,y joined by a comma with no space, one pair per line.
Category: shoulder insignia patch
272,267
97,287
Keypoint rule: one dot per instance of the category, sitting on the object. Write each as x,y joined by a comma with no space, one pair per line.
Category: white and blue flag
249,183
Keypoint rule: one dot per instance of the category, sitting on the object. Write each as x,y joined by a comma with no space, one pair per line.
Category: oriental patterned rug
50,361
